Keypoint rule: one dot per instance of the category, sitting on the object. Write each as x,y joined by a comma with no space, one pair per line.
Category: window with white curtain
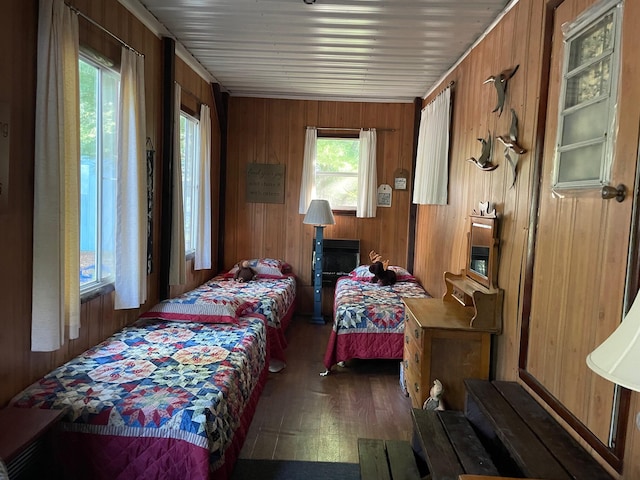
189,154
587,105
99,89
336,173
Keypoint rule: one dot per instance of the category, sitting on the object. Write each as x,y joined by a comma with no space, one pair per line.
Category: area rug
294,470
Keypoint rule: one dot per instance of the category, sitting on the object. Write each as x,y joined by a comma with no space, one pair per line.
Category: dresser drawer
414,373
412,332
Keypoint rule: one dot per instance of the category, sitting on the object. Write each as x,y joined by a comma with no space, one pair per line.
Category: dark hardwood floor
303,416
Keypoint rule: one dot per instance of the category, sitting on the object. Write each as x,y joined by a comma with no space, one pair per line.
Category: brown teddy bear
244,273
381,274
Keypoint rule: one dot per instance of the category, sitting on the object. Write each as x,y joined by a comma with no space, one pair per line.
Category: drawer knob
417,387
416,332
406,339
417,358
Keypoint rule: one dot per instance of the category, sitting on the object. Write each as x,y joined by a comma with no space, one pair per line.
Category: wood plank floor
303,416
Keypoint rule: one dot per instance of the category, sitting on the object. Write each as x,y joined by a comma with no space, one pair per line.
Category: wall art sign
265,183
384,195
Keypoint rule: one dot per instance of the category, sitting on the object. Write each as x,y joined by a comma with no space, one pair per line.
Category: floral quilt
270,297
171,380
368,319
362,306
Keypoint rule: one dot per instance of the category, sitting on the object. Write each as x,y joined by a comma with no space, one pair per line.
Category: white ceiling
368,50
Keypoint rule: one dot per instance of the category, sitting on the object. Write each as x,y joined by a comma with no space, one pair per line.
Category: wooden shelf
485,303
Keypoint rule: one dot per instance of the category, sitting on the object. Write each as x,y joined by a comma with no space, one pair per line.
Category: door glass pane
581,164
592,43
591,83
585,124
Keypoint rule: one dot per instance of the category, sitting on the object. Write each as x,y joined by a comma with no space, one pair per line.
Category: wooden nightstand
23,441
440,343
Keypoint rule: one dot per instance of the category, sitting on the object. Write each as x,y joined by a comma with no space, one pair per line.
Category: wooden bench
503,432
386,460
508,417
450,445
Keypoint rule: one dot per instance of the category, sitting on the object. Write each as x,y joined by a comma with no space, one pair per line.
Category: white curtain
308,183
177,264
432,158
202,258
367,175
56,224
131,207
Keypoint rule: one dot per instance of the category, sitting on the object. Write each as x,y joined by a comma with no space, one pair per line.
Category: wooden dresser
439,343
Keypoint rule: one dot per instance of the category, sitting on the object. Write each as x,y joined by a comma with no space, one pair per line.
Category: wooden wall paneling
513,252
272,130
18,34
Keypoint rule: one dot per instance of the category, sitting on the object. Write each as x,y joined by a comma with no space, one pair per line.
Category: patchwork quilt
170,381
369,320
271,297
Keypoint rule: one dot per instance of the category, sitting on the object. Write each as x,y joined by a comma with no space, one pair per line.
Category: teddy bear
434,401
244,273
381,274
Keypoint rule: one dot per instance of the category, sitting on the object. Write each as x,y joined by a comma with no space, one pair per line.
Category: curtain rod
353,129
451,84
93,22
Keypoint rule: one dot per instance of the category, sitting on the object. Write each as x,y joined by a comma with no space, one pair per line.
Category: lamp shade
618,358
319,213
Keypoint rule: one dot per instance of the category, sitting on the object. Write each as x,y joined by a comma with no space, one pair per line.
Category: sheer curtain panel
177,266
56,232
432,158
367,175
203,240
131,206
308,183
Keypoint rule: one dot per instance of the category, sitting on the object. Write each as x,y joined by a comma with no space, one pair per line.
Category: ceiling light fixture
309,2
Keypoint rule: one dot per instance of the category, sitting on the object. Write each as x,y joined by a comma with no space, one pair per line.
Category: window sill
94,293
344,213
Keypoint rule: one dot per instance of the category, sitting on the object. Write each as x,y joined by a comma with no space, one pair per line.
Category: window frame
101,283
572,33
340,210
190,249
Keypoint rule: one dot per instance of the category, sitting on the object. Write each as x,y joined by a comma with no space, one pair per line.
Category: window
336,173
587,108
99,90
189,153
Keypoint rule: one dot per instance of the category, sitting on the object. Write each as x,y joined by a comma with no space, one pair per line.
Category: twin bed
171,396
369,318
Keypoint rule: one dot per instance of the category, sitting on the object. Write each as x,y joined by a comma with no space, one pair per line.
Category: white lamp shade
618,358
319,213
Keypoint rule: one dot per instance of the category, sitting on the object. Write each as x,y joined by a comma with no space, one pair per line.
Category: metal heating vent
27,462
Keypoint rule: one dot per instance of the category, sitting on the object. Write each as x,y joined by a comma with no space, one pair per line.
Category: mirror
482,247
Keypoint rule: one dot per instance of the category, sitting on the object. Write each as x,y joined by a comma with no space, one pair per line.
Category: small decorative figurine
381,273
434,402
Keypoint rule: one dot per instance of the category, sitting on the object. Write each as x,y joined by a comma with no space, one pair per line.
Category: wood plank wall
18,33
441,230
273,131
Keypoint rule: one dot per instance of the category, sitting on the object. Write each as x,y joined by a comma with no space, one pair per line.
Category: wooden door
581,248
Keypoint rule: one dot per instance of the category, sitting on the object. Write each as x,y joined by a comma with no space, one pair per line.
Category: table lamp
318,214
618,358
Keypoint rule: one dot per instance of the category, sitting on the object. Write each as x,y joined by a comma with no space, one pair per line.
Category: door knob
619,192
